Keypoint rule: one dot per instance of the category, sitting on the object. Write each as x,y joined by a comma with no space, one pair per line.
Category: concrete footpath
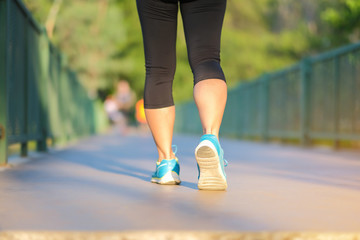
103,184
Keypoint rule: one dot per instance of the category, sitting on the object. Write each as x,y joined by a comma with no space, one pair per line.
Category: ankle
212,132
171,156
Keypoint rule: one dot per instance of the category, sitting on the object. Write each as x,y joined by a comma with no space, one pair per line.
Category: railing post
41,145
265,106
240,110
3,79
336,101
26,87
238,106
304,101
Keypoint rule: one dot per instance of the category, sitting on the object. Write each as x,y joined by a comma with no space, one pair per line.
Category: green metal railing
316,99
40,97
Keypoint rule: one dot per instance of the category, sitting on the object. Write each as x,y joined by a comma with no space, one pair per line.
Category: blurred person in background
202,20
112,110
125,99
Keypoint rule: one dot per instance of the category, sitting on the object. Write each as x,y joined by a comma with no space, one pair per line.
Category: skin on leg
161,123
210,97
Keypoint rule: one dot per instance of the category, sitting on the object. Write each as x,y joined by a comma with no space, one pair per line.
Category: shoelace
222,155
174,148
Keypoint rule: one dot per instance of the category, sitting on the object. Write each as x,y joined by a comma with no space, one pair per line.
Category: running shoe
210,159
167,172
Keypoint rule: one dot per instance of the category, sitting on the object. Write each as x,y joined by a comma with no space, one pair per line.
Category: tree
344,21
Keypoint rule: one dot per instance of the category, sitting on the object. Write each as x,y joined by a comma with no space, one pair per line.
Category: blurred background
88,69
103,43
66,84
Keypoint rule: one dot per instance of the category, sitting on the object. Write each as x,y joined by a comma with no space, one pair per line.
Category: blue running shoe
167,172
210,159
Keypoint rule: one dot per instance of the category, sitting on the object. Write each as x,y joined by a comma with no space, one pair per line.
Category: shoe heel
211,177
171,178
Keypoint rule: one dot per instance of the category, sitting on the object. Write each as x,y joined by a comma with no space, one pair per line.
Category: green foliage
39,9
344,18
89,33
130,53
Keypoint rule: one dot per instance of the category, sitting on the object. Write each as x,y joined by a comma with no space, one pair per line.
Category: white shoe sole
211,175
170,178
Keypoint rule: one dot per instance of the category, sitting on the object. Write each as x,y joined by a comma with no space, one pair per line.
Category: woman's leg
202,24
203,21
159,22
210,97
161,123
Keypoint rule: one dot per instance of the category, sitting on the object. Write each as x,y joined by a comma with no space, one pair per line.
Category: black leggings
202,20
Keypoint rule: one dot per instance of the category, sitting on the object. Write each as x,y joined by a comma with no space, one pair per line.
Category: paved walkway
102,184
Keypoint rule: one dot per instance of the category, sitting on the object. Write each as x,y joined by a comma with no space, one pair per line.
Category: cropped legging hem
202,20
149,106
209,69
